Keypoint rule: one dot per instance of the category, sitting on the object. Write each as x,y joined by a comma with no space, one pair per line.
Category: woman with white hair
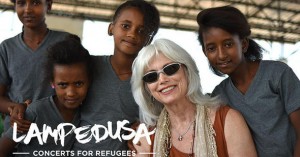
166,86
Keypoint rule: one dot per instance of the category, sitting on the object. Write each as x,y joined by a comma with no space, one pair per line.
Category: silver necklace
180,136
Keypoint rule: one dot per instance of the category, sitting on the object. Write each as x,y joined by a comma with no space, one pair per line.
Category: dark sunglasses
169,70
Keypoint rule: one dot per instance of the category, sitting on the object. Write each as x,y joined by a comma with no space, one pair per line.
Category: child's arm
4,100
17,116
7,146
16,110
295,119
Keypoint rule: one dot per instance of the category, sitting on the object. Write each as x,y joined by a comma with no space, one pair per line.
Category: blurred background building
275,25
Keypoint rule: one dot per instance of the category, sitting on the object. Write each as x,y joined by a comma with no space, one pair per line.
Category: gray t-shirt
108,99
21,69
273,94
40,112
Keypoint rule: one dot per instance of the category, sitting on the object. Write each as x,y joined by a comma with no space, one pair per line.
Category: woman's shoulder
218,112
225,112
233,112
224,108
232,117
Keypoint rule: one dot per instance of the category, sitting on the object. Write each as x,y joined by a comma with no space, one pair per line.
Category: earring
152,99
52,86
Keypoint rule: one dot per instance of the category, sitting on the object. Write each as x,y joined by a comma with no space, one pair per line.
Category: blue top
273,94
21,68
109,99
40,112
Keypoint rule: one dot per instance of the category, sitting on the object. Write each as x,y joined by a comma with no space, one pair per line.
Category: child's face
32,12
223,50
71,84
129,31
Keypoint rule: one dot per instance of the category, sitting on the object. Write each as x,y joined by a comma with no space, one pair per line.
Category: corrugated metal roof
272,20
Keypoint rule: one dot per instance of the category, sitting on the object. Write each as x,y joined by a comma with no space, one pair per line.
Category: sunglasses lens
171,69
150,77
168,70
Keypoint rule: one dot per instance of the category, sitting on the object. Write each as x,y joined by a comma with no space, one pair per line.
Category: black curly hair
150,12
66,52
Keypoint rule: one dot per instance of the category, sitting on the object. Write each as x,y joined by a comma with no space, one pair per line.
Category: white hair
150,109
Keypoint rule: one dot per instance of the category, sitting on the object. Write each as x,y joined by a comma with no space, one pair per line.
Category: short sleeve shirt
273,94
